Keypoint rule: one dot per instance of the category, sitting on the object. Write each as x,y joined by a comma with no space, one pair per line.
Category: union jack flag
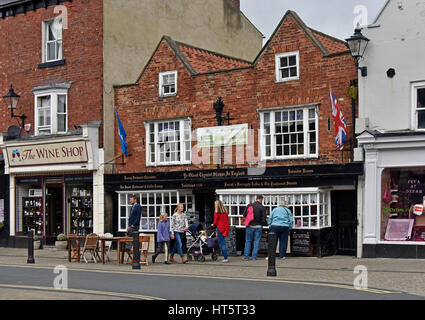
339,121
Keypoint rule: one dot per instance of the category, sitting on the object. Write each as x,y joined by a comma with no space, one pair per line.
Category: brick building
280,141
62,58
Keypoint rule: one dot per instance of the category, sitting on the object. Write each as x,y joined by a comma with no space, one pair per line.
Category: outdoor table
102,241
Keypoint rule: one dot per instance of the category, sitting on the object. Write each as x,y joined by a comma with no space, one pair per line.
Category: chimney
236,4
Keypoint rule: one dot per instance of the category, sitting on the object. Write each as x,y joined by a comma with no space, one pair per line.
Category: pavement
399,275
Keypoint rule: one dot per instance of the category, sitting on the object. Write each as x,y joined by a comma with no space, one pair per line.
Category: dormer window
288,66
167,83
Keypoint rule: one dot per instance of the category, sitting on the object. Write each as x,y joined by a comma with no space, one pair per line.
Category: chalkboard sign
301,243
231,242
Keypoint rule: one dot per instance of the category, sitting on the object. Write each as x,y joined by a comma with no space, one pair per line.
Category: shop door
205,206
54,212
344,211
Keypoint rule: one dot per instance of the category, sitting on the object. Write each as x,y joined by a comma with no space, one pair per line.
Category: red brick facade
21,54
244,91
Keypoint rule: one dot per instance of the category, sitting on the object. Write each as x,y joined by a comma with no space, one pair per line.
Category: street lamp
11,99
358,44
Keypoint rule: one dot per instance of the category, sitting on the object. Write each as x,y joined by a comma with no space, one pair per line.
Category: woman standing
178,227
281,222
221,221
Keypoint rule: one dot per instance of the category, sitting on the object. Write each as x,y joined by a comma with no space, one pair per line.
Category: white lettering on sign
53,153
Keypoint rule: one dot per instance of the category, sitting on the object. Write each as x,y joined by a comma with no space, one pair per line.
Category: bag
249,215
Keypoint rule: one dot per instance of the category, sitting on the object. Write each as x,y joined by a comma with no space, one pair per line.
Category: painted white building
391,128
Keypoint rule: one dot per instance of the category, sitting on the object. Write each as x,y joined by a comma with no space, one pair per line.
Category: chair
108,245
144,242
91,245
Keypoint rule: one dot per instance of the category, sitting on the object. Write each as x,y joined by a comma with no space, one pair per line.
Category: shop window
29,208
402,204
310,210
169,142
419,105
287,66
289,133
153,204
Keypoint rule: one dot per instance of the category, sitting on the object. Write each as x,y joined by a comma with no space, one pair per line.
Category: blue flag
122,134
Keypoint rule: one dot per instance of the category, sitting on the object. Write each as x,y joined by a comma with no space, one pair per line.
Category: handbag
249,215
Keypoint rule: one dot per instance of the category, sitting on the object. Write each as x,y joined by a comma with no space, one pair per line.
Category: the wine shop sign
47,154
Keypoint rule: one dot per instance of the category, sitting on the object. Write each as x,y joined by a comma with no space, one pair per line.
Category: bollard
136,250
271,248
30,247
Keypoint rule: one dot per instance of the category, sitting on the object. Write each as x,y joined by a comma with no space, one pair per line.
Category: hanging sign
223,136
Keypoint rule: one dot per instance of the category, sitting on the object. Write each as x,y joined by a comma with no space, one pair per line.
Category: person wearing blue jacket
281,222
163,237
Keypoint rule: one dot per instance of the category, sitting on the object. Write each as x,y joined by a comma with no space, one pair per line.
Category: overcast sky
333,17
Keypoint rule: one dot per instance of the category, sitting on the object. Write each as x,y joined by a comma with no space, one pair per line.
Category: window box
52,64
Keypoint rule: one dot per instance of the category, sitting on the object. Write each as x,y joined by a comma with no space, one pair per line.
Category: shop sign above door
47,154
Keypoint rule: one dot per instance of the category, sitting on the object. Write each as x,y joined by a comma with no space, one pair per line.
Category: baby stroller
203,243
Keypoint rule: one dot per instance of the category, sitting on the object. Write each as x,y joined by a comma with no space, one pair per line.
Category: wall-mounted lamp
358,44
11,99
218,107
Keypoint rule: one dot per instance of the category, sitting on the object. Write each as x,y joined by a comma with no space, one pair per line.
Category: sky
333,17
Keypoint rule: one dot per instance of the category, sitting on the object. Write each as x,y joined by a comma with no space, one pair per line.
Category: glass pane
293,72
421,119
283,62
421,98
285,73
61,104
51,51
292,60
61,123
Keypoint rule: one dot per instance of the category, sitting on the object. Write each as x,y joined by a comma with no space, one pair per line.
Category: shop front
310,191
394,195
55,185
4,205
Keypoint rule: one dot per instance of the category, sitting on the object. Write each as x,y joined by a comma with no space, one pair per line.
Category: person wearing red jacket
221,221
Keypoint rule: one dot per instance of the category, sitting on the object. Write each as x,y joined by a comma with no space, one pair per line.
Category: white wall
398,42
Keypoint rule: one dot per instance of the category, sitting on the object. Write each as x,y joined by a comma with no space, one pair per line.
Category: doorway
54,212
205,205
344,213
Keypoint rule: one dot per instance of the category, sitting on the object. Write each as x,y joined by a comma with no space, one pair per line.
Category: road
20,282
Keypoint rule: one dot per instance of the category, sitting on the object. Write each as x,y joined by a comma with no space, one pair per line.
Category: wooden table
102,240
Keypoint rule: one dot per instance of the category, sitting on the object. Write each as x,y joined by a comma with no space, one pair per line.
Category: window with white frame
310,207
153,204
51,112
419,105
287,66
289,133
169,142
167,83
52,40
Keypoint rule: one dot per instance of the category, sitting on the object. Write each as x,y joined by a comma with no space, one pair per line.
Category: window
289,133
52,40
310,208
167,83
287,66
169,142
51,112
153,204
419,105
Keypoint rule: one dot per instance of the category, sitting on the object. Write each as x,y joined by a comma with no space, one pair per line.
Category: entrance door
205,205
54,212
344,211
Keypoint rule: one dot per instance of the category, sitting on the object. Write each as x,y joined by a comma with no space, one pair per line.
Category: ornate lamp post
358,44
12,99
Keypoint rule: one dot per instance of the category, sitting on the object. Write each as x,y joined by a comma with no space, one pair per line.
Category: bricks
21,53
244,91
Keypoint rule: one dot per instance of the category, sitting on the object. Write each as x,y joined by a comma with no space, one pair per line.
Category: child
163,237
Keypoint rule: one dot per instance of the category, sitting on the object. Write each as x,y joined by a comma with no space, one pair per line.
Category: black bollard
30,247
136,251
271,271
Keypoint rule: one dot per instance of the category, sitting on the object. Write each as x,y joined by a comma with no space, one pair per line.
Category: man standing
135,215
255,229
